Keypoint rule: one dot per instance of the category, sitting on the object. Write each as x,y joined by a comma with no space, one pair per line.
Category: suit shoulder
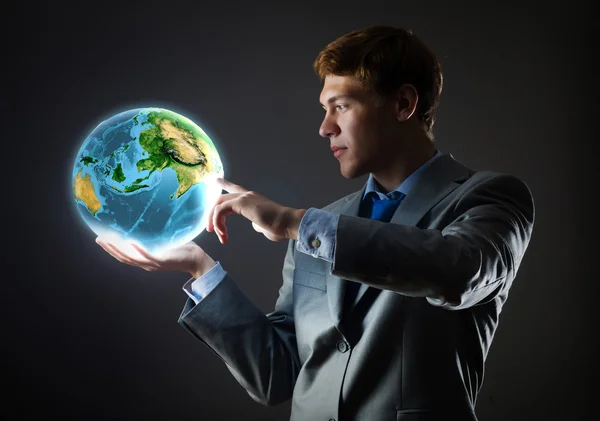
498,179
500,187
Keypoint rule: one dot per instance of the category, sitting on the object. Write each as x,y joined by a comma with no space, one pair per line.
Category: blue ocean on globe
147,175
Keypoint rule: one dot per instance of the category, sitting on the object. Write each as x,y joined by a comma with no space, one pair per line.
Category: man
391,295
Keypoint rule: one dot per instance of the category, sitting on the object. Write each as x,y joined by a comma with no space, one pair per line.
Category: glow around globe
147,175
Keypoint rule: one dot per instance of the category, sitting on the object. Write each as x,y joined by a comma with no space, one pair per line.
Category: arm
202,283
259,350
475,255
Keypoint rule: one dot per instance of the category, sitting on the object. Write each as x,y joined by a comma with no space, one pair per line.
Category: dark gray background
87,337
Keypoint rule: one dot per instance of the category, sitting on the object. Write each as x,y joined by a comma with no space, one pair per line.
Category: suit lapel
440,179
437,181
336,287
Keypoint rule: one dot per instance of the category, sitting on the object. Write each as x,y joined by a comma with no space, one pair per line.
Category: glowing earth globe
147,175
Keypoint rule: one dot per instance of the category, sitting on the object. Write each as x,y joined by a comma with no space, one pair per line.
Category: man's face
361,123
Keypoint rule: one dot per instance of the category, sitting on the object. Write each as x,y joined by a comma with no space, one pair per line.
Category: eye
340,107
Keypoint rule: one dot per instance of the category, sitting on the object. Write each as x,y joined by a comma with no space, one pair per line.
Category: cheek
358,134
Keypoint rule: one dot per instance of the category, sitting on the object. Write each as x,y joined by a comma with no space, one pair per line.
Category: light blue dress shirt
316,223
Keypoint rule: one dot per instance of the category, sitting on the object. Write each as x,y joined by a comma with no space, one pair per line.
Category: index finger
229,186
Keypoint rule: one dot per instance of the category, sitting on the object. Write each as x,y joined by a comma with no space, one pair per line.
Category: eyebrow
337,97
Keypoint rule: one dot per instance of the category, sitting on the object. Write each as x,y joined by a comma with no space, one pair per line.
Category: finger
209,224
131,260
144,253
230,187
137,258
109,250
223,238
257,228
114,252
273,237
220,215
214,214
120,255
221,199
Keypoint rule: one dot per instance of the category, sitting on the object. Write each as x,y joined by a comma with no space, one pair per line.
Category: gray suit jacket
414,344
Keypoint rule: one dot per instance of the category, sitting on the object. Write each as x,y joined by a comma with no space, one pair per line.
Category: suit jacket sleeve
472,259
259,350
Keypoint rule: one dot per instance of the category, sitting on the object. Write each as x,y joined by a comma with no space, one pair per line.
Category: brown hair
383,58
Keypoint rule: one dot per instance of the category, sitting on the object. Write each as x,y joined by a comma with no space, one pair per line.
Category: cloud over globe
147,175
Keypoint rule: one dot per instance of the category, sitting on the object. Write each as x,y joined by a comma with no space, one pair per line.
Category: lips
336,148
338,151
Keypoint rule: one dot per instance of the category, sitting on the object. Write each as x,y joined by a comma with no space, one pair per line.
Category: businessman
391,295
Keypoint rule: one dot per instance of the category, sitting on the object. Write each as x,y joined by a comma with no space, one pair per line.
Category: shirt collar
406,185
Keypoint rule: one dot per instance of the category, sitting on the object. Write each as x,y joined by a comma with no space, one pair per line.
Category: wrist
202,266
296,216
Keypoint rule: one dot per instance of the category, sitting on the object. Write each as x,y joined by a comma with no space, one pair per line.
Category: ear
407,99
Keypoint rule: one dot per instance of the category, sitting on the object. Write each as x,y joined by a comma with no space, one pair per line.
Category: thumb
257,228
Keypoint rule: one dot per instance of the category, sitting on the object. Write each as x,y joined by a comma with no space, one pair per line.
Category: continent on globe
174,143
147,175
84,191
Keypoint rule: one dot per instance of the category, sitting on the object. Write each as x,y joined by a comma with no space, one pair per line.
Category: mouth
338,151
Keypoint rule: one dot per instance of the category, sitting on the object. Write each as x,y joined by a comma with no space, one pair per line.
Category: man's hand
274,221
188,257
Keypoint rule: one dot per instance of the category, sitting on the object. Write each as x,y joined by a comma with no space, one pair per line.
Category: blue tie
382,210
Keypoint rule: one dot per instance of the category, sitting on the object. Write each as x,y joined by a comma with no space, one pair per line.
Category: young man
391,295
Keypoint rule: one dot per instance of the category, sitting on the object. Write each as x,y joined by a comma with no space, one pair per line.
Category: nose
329,128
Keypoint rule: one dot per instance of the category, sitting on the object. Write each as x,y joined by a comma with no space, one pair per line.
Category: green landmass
180,123
139,180
168,141
131,188
167,152
151,142
118,174
88,160
136,185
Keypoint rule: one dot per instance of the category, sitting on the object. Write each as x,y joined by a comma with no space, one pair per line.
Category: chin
351,173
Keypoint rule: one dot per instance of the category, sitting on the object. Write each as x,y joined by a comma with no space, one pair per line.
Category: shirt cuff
199,288
316,234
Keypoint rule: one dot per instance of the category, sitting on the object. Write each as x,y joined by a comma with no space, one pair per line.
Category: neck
403,163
